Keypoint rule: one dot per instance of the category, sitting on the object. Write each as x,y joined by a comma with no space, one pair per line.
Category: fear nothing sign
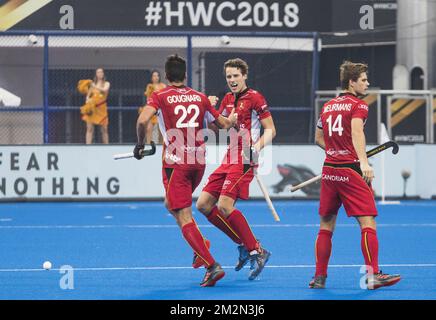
52,172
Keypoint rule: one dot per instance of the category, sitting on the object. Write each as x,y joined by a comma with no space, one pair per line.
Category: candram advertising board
89,172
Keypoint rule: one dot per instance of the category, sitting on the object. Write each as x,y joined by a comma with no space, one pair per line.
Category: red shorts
234,184
179,185
344,185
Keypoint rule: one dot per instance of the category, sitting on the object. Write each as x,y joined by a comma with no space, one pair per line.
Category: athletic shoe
380,279
197,262
213,274
318,282
259,260
243,258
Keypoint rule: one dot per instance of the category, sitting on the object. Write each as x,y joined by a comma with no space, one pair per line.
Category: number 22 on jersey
336,126
191,123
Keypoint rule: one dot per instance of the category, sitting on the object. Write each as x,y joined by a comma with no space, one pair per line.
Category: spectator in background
94,112
153,128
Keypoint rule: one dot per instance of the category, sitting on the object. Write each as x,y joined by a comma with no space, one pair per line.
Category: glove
138,151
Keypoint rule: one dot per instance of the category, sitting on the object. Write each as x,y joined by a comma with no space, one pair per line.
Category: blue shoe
259,260
244,257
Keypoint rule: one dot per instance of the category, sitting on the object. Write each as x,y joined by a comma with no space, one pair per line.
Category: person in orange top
94,112
154,85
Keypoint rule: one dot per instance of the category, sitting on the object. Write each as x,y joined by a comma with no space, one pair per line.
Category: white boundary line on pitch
161,226
420,265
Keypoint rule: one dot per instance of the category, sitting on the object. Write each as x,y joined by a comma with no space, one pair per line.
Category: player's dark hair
237,63
351,71
175,68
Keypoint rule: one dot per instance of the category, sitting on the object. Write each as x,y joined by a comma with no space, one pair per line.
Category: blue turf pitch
134,250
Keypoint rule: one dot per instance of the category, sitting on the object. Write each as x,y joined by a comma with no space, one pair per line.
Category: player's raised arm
220,121
227,122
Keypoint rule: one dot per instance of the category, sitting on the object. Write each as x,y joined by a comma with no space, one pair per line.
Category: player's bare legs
206,204
89,132
104,134
239,224
323,249
369,245
195,239
328,223
367,222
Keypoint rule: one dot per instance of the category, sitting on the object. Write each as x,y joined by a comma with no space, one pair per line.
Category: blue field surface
134,250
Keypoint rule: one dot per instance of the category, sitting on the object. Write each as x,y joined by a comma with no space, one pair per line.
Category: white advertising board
89,172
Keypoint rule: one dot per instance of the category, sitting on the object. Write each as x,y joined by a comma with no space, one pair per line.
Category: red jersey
182,112
335,121
251,107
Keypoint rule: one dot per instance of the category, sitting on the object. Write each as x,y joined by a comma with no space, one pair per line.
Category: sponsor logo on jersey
189,149
226,183
335,178
333,152
363,106
172,157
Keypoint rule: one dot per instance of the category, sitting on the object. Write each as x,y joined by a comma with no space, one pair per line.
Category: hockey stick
145,153
370,153
267,198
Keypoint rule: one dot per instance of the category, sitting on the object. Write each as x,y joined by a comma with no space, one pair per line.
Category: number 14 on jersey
336,126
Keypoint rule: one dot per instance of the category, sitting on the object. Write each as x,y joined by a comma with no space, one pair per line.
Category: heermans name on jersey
338,107
184,98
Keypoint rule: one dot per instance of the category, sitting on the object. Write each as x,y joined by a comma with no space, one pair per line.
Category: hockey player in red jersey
182,112
347,175
231,180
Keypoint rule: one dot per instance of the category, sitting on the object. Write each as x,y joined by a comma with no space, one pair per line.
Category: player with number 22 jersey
182,112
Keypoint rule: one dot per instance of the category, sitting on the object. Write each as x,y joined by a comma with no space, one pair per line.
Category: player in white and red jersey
231,180
181,112
347,175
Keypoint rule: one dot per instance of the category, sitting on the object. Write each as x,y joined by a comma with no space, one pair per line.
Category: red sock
369,245
216,218
192,235
237,221
323,249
